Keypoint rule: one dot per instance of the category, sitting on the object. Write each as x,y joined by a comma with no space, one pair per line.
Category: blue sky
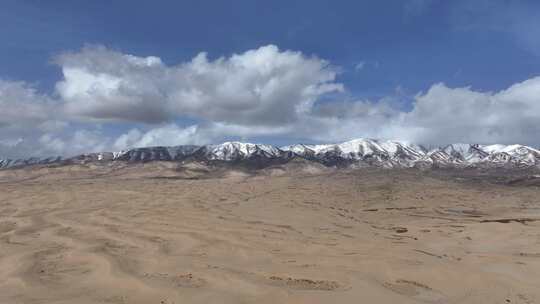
386,55
411,44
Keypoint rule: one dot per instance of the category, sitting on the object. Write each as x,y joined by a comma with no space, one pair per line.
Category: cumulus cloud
167,135
438,116
201,134
66,143
444,114
261,93
260,86
22,106
441,115
85,141
25,114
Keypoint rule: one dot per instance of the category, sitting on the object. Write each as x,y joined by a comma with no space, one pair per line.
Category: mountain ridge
355,153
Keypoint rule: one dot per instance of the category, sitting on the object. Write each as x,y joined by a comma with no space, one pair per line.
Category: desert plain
162,233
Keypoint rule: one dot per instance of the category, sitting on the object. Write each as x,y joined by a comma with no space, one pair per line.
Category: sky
85,76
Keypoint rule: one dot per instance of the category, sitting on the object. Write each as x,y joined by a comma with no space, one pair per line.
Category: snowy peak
388,153
10,163
230,151
514,150
512,154
465,153
354,153
153,154
302,149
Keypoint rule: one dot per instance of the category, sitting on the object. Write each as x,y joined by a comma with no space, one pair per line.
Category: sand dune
97,235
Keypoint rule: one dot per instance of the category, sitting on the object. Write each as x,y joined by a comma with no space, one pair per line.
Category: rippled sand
83,235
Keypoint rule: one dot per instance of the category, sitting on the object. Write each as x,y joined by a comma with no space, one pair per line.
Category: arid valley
158,233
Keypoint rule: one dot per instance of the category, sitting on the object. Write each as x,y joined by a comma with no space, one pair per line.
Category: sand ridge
373,236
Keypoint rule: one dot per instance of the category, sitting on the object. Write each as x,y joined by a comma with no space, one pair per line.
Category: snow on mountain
515,154
464,153
11,163
513,150
354,153
304,150
386,153
4,163
155,153
230,151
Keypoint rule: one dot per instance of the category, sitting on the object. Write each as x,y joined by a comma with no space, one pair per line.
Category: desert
268,152
162,232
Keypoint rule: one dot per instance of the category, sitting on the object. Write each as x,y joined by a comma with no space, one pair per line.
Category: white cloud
167,135
260,93
260,86
359,66
448,115
54,144
439,116
21,106
24,115
207,133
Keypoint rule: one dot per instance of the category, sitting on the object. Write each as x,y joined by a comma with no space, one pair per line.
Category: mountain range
356,153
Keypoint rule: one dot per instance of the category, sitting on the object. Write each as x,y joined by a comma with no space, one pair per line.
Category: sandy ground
368,236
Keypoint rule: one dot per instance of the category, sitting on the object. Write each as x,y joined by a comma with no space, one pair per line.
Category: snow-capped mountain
511,154
368,151
233,151
355,153
154,154
9,163
465,153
